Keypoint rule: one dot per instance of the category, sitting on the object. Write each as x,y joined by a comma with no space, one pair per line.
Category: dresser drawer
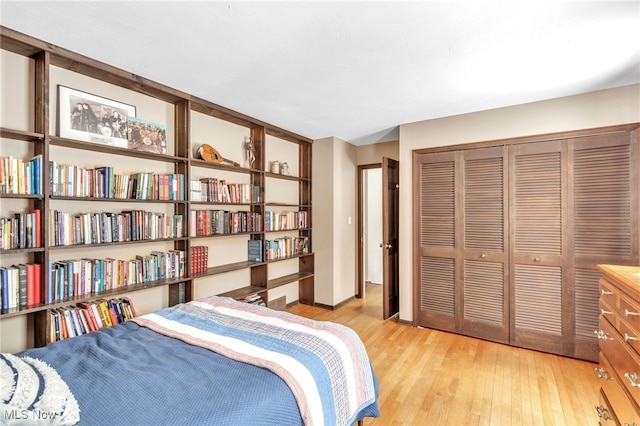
631,337
604,411
630,312
608,293
625,410
623,359
610,312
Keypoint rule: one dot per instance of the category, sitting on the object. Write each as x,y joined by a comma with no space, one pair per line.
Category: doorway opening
370,228
378,199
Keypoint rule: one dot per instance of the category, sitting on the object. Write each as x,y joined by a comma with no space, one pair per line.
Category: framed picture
90,118
147,136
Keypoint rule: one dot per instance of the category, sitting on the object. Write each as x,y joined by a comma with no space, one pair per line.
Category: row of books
109,227
21,177
199,260
279,248
283,221
20,286
85,317
103,182
214,190
78,277
21,231
213,222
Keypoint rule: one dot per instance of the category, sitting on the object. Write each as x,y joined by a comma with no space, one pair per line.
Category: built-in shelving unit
189,122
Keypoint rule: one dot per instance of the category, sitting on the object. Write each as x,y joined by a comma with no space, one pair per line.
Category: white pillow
33,393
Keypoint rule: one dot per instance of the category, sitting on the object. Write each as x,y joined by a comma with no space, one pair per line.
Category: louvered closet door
484,255
538,247
605,218
435,260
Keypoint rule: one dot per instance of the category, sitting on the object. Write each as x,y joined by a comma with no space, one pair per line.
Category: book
87,310
32,293
37,284
105,315
23,297
4,288
254,250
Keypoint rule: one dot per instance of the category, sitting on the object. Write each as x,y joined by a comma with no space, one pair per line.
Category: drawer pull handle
630,313
602,412
606,292
603,312
633,379
601,334
627,337
601,373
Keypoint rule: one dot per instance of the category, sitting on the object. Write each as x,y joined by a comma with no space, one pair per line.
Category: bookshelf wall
29,129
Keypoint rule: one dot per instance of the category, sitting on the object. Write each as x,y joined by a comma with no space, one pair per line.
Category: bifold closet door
604,199
483,258
508,237
539,251
574,204
435,245
463,243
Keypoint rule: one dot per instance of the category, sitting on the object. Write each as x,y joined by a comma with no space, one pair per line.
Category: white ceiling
353,70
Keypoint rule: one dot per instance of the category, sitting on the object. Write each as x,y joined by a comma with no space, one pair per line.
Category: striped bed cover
325,364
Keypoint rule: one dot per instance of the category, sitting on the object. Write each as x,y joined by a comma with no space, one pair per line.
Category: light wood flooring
428,377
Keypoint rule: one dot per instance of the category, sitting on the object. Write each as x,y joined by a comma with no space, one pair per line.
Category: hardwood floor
428,377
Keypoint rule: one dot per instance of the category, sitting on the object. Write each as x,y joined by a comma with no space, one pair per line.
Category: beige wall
590,110
372,154
322,234
335,210
334,220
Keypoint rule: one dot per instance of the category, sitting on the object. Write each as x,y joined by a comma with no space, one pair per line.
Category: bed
211,361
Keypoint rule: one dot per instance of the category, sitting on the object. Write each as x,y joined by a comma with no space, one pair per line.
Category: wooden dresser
619,337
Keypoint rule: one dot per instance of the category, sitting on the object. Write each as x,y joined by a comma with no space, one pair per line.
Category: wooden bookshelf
180,111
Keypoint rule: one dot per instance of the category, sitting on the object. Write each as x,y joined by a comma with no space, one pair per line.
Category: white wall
372,213
590,110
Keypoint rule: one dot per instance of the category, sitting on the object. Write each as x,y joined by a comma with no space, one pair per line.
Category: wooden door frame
390,237
360,275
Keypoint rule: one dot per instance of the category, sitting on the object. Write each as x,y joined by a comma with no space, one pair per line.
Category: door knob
387,246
